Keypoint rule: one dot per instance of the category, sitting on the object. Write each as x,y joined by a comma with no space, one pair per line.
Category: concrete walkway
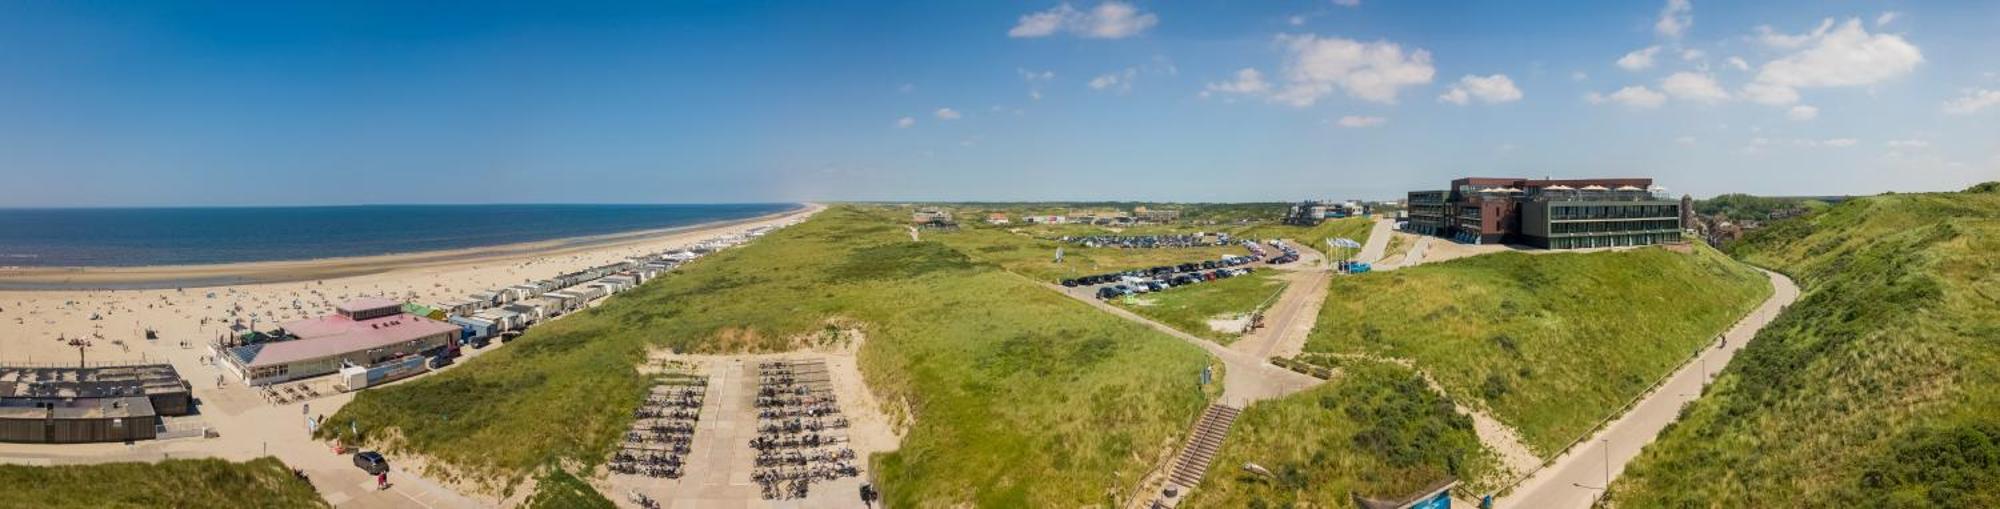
1291,317
1246,377
1578,477
1378,241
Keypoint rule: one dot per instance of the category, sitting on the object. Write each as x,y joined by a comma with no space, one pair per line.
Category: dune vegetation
558,489
1376,430
1189,308
1012,395
1550,343
262,482
1880,387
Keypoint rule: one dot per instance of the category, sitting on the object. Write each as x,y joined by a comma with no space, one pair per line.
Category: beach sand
37,326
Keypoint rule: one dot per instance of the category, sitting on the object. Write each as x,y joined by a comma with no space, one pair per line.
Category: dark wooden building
89,404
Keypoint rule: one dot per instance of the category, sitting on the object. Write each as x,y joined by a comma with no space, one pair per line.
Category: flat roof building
365,332
89,404
1548,213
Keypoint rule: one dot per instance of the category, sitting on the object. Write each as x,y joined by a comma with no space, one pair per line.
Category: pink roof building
333,335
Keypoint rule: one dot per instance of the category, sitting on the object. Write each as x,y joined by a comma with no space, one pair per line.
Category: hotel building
1549,214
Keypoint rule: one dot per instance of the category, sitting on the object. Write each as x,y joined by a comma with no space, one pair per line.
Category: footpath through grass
1551,343
1880,387
1189,308
1377,430
263,482
1014,395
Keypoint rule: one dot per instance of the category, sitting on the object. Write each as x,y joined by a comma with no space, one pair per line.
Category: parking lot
1165,277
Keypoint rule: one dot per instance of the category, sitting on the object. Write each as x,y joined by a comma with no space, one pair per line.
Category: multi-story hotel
1550,214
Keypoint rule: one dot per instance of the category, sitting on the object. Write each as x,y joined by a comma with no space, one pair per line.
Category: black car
1108,293
1069,283
371,462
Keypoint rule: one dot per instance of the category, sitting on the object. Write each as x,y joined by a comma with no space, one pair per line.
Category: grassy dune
1031,252
263,482
1879,388
1376,430
1355,228
560,490
1189,308
1551,343
1018,396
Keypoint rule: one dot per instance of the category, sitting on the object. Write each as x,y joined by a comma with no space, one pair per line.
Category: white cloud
1636,97
1355,121
948,114
1770,94
1347,3
1972,101
1910,144
1488,89
1802,112
1839,142
1692,54
1886,18
1836,57
905,122
1685,141
1578,76
1675,18
906,88
1035,79
1638,60
1739,64
1248,81
1295,20
1109,20
1773,38
1120,81
1370,71
1692,86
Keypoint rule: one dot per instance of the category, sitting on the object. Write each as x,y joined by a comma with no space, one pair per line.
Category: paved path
1378,241
1577,478
1247,378
1290,318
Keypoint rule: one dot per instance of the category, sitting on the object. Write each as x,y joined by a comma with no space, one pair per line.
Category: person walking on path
382,480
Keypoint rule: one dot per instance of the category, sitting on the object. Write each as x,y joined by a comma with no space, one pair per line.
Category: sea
129,237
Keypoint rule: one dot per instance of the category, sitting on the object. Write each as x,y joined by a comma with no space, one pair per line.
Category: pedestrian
382,480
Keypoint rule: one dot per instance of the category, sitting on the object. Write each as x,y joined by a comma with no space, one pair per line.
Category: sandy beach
35,325
38,327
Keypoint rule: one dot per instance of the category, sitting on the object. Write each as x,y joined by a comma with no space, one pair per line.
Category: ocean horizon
150,236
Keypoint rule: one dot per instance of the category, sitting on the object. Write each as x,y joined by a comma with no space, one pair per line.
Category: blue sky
190,103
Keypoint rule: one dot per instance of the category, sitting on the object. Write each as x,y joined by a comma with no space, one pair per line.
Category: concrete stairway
1203,445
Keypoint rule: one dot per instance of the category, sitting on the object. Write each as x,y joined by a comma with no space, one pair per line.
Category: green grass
1032,253
1018,395
1315,237
1551,343
263,482
1880,387
1189,308
560,490
1376,430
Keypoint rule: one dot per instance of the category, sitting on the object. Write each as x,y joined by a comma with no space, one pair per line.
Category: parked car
1107,293
1069,283
371,462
